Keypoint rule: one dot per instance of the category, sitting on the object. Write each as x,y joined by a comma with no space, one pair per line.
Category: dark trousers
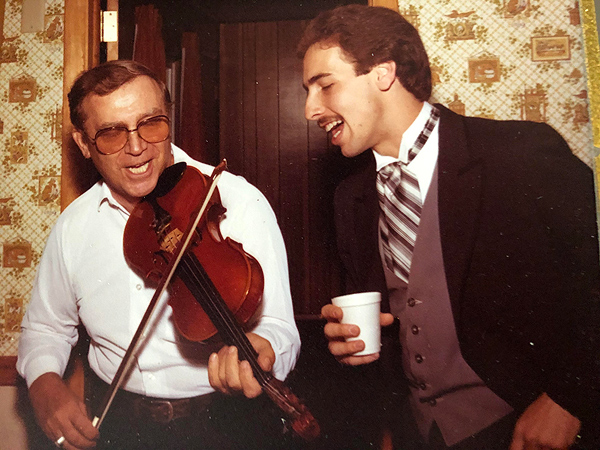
226,423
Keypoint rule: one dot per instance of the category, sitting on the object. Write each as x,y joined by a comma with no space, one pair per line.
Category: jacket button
418,358
412,302
414,329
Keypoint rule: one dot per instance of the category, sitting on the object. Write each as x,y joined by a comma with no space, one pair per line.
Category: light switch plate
32,16
110,26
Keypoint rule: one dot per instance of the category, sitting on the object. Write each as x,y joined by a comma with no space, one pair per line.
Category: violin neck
200,285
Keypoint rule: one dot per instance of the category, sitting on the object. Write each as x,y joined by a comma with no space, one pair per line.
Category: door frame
81,52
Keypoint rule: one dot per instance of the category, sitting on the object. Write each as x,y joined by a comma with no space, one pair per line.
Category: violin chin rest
168,179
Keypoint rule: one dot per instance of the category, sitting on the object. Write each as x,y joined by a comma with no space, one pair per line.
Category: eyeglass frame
142,122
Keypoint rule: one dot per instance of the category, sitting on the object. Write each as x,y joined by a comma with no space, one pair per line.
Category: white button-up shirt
83,275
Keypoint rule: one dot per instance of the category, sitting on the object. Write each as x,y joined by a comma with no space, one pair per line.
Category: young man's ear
385,75
82,143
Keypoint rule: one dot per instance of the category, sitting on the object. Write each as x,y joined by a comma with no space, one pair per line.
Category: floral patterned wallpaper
509,59
505,59
31,72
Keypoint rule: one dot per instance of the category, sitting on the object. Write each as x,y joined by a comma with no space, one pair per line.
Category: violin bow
140,334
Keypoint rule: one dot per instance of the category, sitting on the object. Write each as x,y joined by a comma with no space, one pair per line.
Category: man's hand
229,375
545,425
337,333
60,413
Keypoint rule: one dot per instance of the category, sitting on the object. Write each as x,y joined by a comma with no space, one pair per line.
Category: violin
215,287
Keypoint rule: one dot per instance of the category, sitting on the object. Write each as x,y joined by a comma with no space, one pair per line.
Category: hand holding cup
354,334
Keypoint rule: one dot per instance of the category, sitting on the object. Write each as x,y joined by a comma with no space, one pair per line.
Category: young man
119,112
481,236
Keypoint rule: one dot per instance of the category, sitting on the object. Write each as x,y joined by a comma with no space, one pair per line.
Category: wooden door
265,138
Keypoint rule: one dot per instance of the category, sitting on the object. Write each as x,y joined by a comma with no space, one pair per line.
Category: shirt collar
408,139
106,195
106,198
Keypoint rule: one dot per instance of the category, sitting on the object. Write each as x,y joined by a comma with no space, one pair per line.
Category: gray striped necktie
400,203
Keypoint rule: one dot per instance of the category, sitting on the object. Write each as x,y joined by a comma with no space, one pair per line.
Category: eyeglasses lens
153,130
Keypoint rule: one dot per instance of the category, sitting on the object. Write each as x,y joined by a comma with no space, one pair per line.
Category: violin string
206,289
226,318
206,292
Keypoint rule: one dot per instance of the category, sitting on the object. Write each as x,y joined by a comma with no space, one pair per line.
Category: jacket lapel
460,183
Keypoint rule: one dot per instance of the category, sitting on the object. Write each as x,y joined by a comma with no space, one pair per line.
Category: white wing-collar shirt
423,165
83,275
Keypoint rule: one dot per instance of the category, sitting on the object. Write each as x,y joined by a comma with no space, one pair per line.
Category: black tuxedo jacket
520,248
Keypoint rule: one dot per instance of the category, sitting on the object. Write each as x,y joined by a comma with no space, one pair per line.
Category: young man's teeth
331,125
139,169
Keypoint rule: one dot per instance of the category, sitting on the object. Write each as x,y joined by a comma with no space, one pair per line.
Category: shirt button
412,302
138,287
418,358
432,402
414,329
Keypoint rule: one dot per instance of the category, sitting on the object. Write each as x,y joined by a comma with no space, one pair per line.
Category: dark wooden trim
230,82
267,112
81,52
8,370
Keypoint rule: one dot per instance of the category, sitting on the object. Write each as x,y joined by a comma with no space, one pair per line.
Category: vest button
412,302
414,329
418,358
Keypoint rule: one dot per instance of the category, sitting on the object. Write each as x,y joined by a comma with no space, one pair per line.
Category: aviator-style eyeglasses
152,130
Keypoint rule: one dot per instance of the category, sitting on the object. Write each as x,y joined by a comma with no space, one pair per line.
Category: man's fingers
386,319
265,363
332,313
359,360
74,439
341,349
229,369
250,386
545,425
266,354
338,331
77,433
517,443
84,426
213,372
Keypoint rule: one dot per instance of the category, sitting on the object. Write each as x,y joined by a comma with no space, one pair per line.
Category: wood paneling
391,4
8,371
249,139
231,130
267,111
266,138
81,51
294,195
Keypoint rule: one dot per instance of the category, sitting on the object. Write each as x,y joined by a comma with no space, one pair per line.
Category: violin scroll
302,421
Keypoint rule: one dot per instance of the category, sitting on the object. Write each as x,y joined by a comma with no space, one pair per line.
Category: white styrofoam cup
363,309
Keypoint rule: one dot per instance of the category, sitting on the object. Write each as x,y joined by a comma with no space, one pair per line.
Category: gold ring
60,441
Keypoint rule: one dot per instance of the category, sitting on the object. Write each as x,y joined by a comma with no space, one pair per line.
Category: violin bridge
169,241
